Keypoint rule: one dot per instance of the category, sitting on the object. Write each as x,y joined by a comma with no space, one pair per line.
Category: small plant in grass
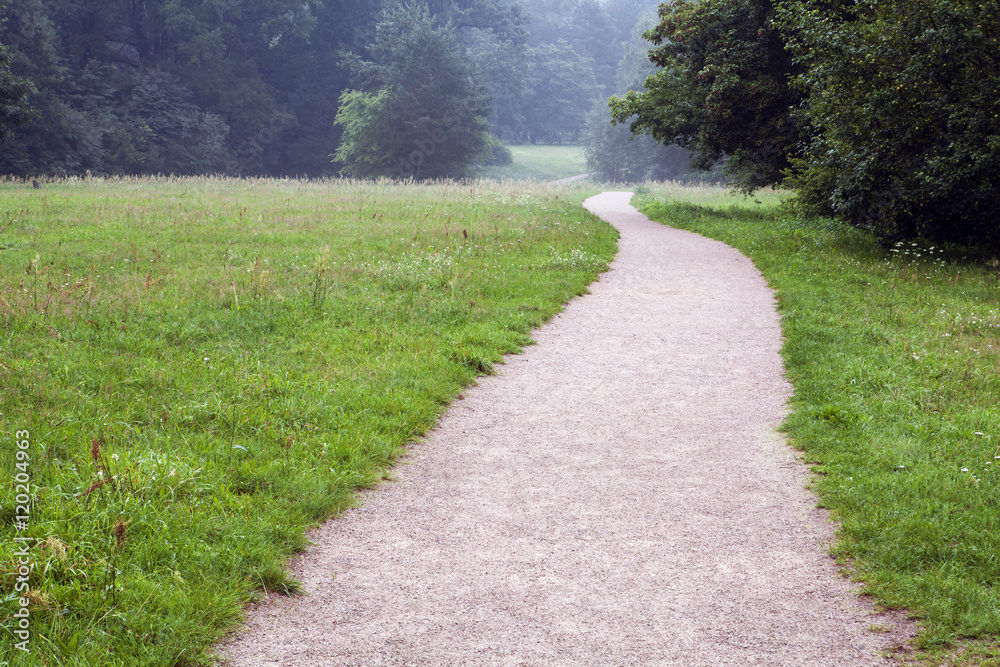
119,533
258,279
321,278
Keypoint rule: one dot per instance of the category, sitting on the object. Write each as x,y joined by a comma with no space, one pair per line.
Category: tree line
883,113
298,87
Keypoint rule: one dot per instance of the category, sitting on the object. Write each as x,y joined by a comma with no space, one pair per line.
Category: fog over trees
299,87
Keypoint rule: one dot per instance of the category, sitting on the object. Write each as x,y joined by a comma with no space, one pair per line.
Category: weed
320,284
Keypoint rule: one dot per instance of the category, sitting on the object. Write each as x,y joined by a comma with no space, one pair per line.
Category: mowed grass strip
894,355
207,367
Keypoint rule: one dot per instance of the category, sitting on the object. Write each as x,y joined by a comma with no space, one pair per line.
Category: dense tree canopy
243,87
561,89
905,100
576,46
722,89
14,92
254,86
145,87
420,113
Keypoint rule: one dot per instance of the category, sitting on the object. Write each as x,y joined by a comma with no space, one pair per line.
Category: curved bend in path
567,181
616,495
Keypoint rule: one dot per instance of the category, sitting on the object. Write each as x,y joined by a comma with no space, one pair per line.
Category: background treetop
254,86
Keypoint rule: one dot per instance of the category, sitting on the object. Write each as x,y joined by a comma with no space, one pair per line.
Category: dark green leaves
722,90
904,100
422,115
14,90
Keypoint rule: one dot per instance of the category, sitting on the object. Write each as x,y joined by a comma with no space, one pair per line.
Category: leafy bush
497,155
903,99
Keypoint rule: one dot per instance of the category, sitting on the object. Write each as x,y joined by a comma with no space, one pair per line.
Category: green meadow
894,355
540,163
194,371
197,370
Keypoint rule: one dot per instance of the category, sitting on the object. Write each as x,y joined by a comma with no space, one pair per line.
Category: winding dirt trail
616,495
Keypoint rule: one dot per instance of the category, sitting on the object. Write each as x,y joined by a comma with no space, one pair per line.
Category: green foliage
367,146
576,48
212,366
505,21
99,108
497,155
903,99
893,357
722,90
635,66
503,67
425,116
187,87
592,34
15,91
880,113
614,155
561,90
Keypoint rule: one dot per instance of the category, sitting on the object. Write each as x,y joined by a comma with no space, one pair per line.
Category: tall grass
893,354
206,367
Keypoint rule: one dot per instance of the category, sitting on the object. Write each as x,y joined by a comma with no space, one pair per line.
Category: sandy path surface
567,181
616,495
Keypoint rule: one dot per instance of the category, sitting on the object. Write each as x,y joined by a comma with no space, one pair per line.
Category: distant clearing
540,163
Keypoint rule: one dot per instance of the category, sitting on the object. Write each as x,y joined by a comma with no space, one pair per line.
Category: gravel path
567,181
616,495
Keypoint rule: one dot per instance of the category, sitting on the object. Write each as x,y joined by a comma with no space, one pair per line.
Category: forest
300,87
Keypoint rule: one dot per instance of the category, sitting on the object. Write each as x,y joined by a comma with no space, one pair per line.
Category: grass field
196,370
894,355
540,163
